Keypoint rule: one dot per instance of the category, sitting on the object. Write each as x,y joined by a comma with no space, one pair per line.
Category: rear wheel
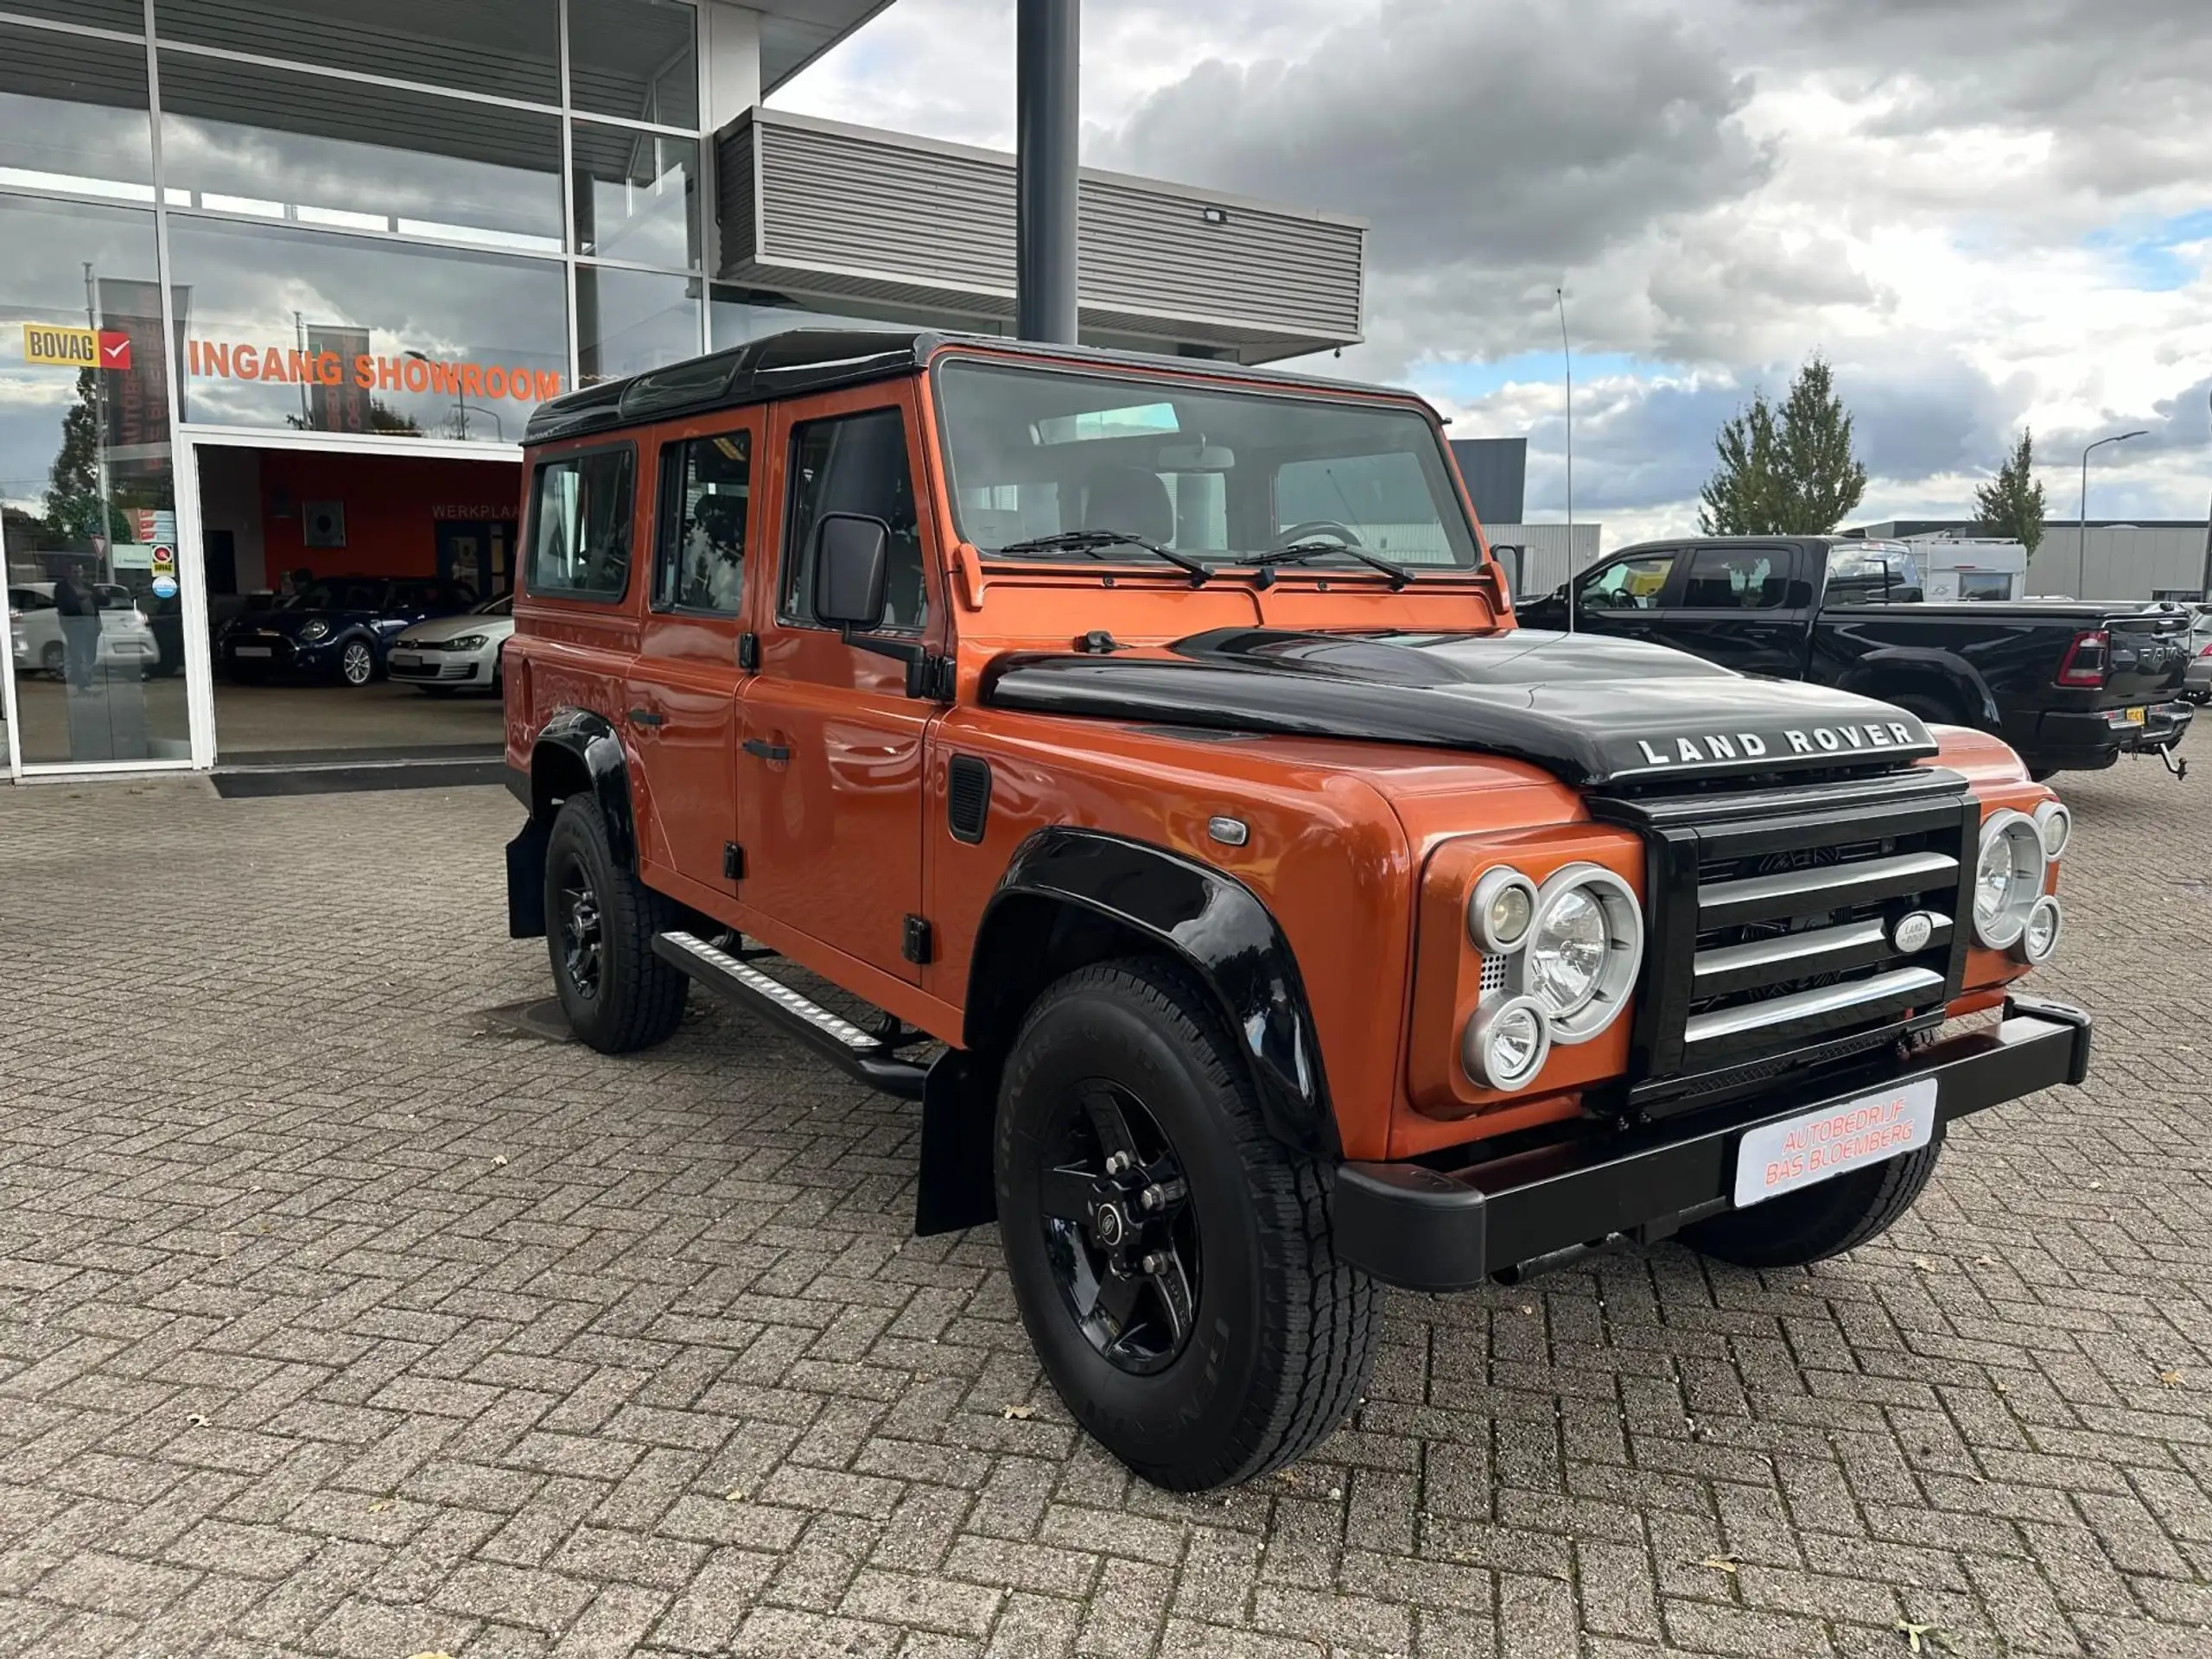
599,923
1173,1262
1821,1220
54,661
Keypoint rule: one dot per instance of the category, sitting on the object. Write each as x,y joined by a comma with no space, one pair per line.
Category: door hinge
918,945
748,651
733,861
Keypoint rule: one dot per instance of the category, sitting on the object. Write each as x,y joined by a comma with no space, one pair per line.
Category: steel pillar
1047,108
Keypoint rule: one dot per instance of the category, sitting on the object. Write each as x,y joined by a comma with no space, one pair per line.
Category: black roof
816,360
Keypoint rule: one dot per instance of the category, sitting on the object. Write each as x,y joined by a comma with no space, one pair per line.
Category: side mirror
851,560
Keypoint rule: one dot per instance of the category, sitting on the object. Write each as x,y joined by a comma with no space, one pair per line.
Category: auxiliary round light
1584,947
1507,1042
2046,923
2007,877
1500,909
2055,824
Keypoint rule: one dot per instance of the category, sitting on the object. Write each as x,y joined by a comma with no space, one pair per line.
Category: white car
126,642
454,654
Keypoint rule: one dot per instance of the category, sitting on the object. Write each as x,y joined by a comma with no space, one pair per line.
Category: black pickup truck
2071,684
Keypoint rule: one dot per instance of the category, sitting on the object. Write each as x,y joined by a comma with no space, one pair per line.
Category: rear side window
1734,578
579,526
854,463
705,508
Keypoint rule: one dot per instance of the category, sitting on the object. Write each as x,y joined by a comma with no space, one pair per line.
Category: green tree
1786,469
2011,503
73,493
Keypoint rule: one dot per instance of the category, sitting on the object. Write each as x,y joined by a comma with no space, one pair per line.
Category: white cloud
1985,212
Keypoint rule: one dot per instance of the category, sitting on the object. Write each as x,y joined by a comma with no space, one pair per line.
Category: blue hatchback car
339,629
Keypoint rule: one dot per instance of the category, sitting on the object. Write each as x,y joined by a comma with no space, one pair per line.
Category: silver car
454,654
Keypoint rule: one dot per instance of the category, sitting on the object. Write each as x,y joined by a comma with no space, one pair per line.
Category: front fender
591,756
1206,919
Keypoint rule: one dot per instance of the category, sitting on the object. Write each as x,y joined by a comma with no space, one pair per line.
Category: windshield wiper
1300,552
1096,541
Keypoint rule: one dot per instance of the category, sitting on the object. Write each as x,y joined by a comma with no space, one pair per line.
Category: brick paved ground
336,1320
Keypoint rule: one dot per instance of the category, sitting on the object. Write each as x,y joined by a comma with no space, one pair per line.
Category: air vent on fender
968,798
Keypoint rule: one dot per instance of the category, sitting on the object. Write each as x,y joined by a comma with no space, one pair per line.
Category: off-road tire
1837,1215
1283,1334
638,999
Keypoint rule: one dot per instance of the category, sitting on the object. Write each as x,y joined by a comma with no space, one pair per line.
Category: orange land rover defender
1259,917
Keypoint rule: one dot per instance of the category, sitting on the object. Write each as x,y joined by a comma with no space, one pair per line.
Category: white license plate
255,650
405,660
1778,1157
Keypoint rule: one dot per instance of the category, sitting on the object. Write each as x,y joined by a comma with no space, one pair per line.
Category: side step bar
859,1055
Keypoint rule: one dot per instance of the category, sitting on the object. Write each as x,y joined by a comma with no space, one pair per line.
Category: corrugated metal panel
736,194
902,221
2117,562
1497,471
1550,551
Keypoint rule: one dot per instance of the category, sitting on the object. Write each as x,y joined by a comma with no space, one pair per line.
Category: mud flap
955,1189
526,882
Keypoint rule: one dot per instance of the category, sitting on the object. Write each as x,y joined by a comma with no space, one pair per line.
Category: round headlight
2045,924
2007,878
1584,947
2055,824
1500,909
1507,1042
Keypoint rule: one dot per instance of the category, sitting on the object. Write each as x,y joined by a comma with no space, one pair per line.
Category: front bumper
421,665
1426,1230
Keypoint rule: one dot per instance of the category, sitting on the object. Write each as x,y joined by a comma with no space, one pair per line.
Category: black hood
1590,709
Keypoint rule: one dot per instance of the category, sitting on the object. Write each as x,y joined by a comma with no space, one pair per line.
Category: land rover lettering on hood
1148,756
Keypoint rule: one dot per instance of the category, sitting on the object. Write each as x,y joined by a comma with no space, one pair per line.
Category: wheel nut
1149,1198
1151,1264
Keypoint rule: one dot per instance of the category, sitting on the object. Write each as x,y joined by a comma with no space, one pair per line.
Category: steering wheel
1311,527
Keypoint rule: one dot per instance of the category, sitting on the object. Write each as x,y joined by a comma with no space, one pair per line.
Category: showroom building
280,281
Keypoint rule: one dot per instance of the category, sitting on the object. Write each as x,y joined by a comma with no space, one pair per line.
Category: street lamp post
2082,556
460,403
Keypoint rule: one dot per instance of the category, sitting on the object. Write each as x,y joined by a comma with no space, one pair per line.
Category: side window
579,526
1631,585
706,486
854,463
1734,578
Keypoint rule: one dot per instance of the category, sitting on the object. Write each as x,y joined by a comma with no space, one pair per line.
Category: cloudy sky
1986,213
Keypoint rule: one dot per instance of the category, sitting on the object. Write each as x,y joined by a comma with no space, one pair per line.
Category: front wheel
1173,1262
599,923
356,664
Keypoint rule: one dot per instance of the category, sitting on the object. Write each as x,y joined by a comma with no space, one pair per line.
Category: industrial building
280,281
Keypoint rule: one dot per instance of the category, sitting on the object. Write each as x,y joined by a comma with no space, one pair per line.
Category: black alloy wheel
356,664
582,939
1120,1231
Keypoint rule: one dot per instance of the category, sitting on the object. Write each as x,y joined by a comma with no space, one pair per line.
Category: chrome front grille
1774,920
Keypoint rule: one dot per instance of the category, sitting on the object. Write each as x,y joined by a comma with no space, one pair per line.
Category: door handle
646,717
766,751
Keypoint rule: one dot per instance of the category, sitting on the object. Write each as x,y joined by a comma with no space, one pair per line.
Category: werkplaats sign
371,372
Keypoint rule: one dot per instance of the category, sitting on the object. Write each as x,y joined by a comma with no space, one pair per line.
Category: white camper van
1965,568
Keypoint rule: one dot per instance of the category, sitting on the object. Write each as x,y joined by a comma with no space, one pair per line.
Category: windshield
503,606
340,596
1224,478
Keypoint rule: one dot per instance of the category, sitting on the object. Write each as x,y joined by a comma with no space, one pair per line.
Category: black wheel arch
1071,897
1942,674
577,751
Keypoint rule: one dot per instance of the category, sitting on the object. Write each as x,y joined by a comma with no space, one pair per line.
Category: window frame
528,586
668,510
790,560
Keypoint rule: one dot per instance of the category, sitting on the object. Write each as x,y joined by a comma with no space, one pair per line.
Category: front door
1622,598
830,787
687,680
1744,606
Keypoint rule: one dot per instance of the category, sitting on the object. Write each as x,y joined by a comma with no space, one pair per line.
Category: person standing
78,604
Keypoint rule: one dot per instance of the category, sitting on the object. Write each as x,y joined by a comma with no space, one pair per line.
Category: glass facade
412,221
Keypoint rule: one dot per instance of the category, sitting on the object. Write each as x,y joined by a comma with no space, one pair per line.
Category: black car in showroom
339,629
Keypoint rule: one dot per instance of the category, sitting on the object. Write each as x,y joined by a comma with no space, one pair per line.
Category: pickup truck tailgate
2150,657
